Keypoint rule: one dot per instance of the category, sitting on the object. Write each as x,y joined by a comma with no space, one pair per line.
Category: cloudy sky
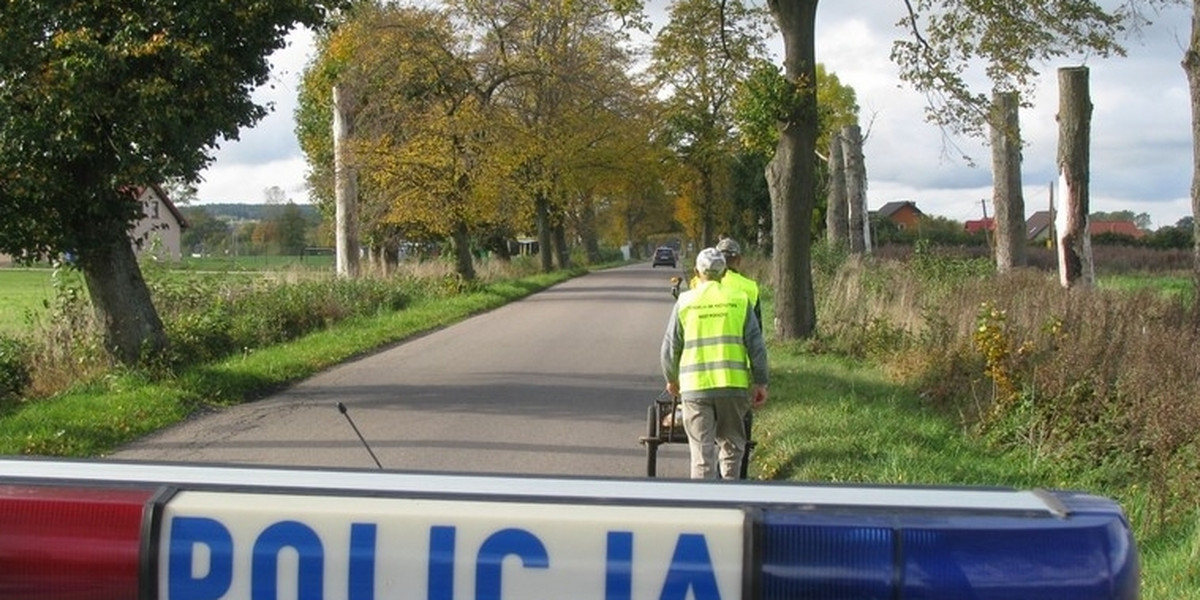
1141,125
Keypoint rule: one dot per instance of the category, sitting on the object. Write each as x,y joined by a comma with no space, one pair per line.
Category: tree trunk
1191,65
121,300
856,187
837,224
1007,198
708,201
791,176
345,189
1074,139
587,230
542,214
560,246
464,263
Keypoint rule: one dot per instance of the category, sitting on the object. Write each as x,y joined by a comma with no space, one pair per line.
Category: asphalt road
555,384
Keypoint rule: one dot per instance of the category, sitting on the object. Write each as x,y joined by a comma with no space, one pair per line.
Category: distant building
904,214
1039,227
159,232
1126,228
979,225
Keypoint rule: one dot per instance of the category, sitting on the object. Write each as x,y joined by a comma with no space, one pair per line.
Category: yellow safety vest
741,282
713,318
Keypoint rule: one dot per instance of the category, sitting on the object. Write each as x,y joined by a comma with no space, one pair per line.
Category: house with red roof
1040,227
978,225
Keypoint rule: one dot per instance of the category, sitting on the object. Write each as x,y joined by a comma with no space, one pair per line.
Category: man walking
714,358
732,252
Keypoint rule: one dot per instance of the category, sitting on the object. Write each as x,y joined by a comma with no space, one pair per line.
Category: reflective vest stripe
720,364
714,341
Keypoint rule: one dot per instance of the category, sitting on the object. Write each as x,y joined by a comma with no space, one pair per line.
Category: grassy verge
835,420
93,419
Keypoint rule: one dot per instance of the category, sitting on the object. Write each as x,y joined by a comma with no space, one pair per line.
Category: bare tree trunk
856,187
345,189
837,223
791,178
121,300
1007,198
1191,65
1074,140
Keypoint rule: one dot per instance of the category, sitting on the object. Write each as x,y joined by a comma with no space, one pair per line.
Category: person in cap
732,252
714,359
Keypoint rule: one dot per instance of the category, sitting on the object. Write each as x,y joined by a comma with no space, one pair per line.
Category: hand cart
664,425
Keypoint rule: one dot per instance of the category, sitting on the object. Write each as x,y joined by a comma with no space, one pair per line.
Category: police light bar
95,530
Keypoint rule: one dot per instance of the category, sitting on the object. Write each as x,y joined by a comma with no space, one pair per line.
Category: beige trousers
716,433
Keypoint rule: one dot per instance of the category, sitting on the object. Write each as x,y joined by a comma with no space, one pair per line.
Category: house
903,213
1040,226
1125,228
159,232
980,225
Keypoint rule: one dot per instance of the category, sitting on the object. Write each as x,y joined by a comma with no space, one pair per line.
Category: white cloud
268,154
1141,128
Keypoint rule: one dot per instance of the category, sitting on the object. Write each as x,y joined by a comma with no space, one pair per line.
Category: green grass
93,419
1173,286
833,420
836,421
24,294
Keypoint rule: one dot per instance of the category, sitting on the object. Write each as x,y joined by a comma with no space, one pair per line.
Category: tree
291,229
762,100
1191,66
949,37
571,94
790,173
698,59
204,234
421,123
98,98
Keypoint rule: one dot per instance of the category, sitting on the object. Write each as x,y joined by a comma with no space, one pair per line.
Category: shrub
1100,381
259,313
14,369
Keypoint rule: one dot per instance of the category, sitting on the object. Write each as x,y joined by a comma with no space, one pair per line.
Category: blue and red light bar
94,530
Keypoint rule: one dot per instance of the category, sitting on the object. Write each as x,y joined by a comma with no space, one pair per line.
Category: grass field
1175,286
24,294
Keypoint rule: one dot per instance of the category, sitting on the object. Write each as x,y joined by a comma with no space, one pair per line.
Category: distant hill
248,212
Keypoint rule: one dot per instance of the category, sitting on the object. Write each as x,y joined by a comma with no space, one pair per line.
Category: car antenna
342,409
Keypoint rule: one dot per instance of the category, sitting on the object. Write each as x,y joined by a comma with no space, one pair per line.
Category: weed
14,368
1103,382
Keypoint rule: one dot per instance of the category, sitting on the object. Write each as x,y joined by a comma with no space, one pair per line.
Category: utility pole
987,233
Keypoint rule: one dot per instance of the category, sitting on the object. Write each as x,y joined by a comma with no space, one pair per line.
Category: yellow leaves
992,340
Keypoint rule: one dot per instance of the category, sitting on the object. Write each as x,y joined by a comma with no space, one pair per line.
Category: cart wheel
652,440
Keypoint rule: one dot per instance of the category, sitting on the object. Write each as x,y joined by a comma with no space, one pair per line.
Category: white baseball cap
710,262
